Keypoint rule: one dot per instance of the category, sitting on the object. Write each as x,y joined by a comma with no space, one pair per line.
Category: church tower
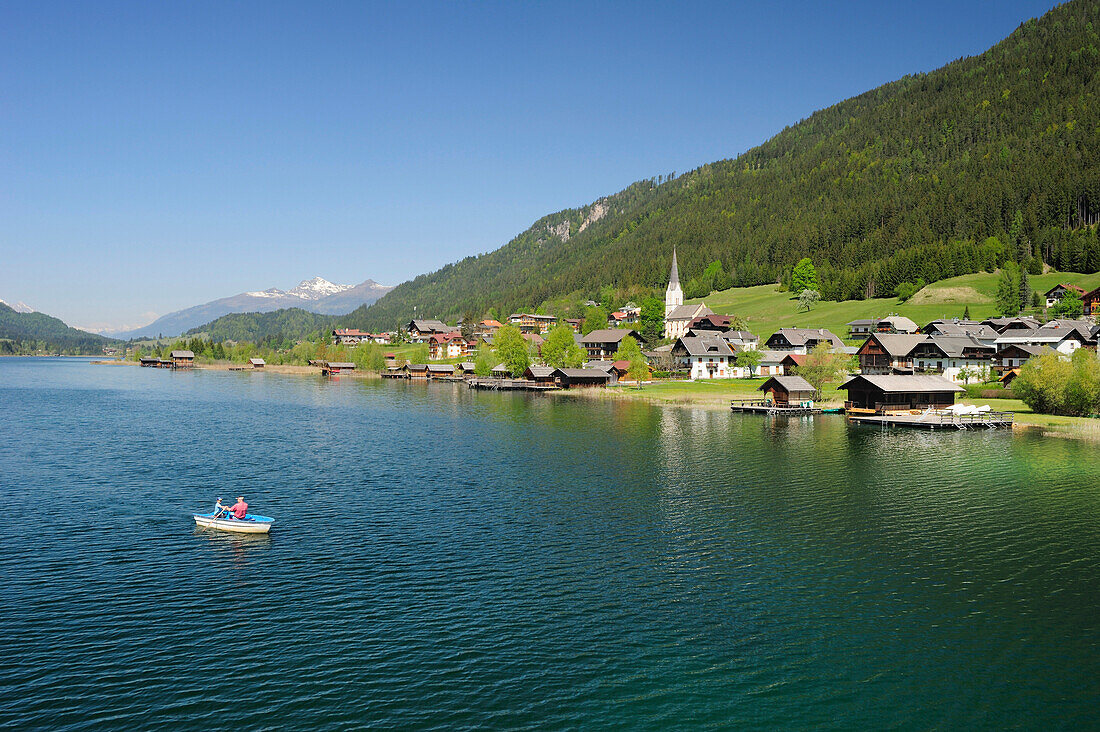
674,296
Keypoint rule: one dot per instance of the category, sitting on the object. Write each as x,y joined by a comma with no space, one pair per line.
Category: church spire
674,275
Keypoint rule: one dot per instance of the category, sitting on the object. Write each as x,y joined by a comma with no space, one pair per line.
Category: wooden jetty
933,419
760,406
510,385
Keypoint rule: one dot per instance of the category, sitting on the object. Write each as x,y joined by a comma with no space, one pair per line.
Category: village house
1055,294
885,353
486,328
351,336
449,345
862,327
741,340
577,324
1014,355
712,322
899,392
420,330
957,358
793,361
678,316
802,340
705,357
602,344
981,332
1091,303
627,316
771,363
788,390
1060,337
182,359
532,323
1021,322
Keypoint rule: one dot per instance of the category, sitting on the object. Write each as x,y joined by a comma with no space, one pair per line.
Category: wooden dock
936,420
511,385
759,406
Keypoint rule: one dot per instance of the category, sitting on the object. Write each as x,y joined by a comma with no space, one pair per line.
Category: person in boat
239,509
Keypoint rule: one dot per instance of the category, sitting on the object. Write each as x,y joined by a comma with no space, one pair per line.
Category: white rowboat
250,524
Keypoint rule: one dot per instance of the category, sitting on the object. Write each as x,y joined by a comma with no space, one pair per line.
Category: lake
444,558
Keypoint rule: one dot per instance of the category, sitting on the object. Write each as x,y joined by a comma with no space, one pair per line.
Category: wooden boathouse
335,368
782,395
182,359
921,401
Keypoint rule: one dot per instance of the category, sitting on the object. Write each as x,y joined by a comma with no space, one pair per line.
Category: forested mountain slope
277,326
30,332
904,181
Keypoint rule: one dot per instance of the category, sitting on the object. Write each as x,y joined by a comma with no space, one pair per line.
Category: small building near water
787,390
567,378
416,370
899,392
539,374
257,363
438,370
333,368
182,359
148,361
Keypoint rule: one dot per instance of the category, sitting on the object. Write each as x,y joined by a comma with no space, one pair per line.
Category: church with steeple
678,316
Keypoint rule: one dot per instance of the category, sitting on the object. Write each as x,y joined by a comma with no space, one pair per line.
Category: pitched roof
705,346
183,354
801,336
257,362
897,345
772,356
582,373
954,345
609,335
674,274
900,322
341,365
895,383
1065,286
789,383
540,372
688,312
429,325
441,368
600,365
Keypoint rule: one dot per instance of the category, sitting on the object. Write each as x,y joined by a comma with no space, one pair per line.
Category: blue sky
158,155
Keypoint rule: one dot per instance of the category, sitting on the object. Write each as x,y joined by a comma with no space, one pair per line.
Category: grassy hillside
37,332
765,309
931,176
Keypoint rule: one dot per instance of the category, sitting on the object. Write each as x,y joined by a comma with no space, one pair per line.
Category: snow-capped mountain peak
317,288
19,307
313,289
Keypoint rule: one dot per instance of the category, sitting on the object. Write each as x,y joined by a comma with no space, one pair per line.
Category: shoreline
1024,423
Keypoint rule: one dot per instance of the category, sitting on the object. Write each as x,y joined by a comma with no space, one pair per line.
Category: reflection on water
450,558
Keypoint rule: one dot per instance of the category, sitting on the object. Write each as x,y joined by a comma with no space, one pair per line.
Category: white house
706,357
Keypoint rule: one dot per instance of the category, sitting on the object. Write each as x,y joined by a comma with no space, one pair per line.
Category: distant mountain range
316,295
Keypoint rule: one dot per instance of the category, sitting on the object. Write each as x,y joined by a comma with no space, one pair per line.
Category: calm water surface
448,559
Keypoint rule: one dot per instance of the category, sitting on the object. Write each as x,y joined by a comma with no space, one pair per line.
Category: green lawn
712,391
765,309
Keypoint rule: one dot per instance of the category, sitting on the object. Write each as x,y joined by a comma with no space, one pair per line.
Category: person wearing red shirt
239,509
